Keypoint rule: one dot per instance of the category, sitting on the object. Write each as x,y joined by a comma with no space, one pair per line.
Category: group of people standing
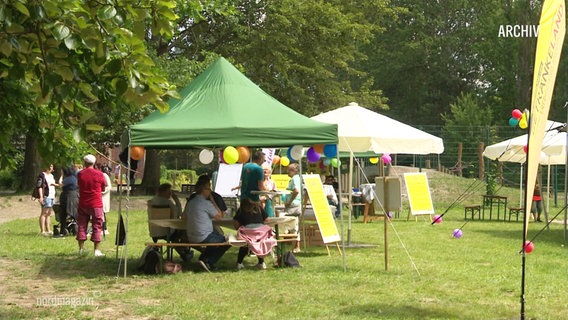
85,196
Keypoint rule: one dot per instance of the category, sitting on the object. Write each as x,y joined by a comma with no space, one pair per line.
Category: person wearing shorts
91,186
46,200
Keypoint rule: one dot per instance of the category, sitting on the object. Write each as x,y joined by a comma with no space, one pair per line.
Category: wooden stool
516,212
473,210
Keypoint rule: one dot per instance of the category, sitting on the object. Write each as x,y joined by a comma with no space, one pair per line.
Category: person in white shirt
46,185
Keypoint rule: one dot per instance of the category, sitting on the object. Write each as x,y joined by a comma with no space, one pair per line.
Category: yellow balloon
230,155
284,161
523,124
374,160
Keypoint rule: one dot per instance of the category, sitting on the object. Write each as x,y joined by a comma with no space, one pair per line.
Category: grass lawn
431,275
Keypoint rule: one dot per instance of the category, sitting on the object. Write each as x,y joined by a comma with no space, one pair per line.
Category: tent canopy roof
362,130
512,150
222,107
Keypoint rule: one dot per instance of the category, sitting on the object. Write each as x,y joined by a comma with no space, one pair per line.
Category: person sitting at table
199,212
330,191
249,222
293,201
165,198
269,185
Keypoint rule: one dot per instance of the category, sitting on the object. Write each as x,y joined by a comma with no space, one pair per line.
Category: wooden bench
473,210
516,211
283,238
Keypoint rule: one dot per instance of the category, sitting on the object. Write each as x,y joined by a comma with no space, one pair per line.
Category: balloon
206,156
335,162
529,247
437,219
221,158
230,155
374,160
284,161
312,155
326,161
136,152
330,150
319,148
457,233
523,124
513,122
244,154
389,215
517,114
275,159
295,153
386,158
525,148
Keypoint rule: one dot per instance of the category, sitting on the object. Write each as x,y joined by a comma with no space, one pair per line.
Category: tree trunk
151,179
32,165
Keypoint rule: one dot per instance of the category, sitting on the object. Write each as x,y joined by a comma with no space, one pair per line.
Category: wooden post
459,164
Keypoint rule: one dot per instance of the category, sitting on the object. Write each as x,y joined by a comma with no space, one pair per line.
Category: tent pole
339,207
350,191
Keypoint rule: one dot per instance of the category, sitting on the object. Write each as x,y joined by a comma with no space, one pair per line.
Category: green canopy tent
222,107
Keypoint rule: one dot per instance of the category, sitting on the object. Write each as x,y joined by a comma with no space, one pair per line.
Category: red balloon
517,114
525,148
529,247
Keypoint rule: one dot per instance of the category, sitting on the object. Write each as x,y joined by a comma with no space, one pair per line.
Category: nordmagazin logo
518,31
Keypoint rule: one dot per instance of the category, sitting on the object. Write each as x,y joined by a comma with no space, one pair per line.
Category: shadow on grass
383,310
552,236
66,266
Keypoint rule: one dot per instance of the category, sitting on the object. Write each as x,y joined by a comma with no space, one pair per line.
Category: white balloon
296,152
206,156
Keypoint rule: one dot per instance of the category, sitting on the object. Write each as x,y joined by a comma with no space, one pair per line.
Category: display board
418,193
280,180
228,177
324,217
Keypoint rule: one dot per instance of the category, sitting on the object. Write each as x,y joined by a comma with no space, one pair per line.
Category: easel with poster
419,196
322,212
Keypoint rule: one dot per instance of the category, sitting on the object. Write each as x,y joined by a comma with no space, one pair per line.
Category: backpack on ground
289,260
151,261
41,182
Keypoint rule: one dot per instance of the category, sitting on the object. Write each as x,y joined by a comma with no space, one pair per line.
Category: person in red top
536,207
91,186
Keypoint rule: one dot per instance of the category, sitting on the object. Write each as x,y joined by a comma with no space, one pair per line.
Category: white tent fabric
553,147
553,152
362,130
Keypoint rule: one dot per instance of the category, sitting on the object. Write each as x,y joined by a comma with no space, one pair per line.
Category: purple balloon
458,233
312,155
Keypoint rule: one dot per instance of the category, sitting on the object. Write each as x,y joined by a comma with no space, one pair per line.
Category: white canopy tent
362,130
553,151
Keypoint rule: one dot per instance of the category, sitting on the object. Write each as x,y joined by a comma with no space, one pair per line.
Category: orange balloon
136,152
244,154
318,148
276,159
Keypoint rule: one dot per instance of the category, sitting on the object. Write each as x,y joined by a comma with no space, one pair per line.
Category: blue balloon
330,150
513,122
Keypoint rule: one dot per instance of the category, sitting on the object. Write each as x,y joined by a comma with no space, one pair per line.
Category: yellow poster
552,27
323,214
418,192
281,181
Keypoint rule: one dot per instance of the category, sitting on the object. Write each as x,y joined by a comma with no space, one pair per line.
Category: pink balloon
386,158
517,114
437,219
